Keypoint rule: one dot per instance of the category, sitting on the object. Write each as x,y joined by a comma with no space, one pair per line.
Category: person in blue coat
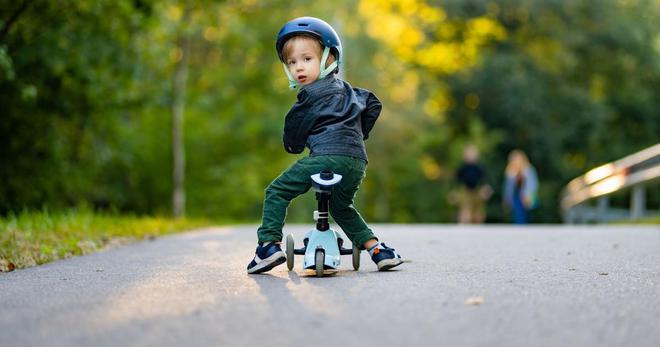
520,187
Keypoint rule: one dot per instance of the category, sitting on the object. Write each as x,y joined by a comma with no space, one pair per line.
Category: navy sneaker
385,257
266,257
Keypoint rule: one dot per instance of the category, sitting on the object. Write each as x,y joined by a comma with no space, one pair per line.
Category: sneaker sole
268,263
387,264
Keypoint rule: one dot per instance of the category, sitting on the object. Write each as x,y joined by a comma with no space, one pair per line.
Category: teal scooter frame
323,247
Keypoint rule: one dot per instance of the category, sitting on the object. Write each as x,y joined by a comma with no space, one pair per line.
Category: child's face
304,60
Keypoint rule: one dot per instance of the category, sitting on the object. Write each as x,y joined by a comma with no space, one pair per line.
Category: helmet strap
326,70
292,82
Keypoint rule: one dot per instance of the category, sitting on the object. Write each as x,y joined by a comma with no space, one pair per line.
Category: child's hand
485,192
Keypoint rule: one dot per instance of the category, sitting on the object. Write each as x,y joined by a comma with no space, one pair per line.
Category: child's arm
371,111
297,126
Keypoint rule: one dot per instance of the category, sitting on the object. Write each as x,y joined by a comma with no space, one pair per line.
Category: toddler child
332,119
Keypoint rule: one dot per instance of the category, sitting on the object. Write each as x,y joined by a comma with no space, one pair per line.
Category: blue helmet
316,28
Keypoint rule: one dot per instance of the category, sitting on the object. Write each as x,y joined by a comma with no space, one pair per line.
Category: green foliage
69,62
86,90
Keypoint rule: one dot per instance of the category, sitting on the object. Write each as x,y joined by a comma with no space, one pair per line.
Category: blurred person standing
474,191
520,187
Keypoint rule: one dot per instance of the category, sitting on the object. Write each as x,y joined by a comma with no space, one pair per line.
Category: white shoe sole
264,265
387,264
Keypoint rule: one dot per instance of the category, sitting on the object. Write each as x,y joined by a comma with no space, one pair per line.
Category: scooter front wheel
289,251
356,258
319,261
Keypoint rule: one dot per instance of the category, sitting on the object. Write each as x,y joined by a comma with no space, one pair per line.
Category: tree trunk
178,149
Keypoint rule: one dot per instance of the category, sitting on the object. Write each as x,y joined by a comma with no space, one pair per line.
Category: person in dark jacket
474,191
332,119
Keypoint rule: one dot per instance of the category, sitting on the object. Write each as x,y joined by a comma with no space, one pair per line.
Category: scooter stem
323,183
322,223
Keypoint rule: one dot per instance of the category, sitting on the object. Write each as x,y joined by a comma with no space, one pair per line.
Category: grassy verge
652,220
33,238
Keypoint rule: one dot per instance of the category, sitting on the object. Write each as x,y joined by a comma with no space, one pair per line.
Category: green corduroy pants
296,180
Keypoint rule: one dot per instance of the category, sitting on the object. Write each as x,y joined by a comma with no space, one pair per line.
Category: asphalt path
462,285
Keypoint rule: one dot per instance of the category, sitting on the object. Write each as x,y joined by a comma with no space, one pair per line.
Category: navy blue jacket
331,117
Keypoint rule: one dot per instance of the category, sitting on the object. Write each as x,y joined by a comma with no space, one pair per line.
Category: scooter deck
326,272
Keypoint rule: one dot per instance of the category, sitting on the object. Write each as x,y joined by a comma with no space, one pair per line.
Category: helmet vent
303,25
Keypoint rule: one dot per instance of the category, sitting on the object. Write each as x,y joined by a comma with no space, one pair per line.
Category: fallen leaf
603,273
475,300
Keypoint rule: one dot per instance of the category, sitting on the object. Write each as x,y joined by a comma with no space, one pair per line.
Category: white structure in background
635,171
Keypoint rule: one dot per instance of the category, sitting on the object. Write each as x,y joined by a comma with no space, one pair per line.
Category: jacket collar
329,85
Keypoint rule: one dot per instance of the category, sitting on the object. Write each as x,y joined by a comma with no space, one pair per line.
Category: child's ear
331,59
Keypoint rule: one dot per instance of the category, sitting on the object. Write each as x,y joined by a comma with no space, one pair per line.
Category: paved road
541,286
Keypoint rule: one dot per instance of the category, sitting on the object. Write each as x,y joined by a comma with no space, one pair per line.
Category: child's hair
286,49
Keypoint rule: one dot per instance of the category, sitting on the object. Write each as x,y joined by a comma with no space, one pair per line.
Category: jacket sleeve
371,111
297,125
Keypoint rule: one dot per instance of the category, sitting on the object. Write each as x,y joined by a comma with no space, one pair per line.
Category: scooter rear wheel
356,258
319,261
289,251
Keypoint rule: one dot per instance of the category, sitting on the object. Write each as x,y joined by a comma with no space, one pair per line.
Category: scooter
322,246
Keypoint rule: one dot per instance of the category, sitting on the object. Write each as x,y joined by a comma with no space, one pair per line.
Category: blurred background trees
87,91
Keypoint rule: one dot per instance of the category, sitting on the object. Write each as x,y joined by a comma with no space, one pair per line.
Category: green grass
652,220
33,238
